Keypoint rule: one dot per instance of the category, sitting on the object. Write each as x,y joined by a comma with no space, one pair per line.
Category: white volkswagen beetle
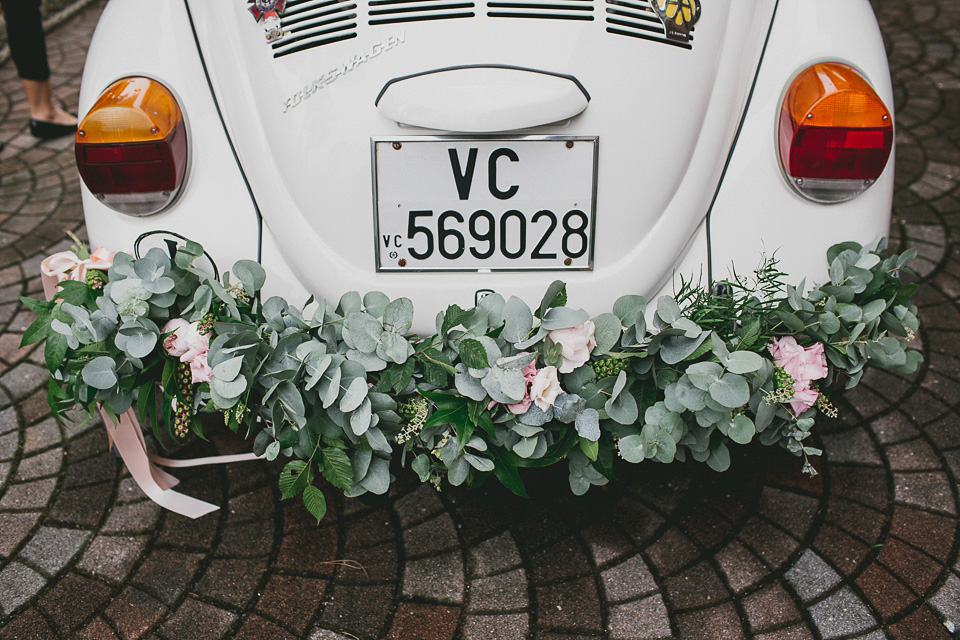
442,149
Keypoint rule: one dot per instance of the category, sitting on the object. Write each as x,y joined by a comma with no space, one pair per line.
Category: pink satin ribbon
65,265
126,435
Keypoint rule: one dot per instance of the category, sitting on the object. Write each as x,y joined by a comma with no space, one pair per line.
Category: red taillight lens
131,147
835,133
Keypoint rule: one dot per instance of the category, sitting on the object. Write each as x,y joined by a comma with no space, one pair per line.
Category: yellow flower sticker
677,17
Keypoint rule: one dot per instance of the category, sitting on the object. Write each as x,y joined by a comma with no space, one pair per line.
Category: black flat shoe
50,130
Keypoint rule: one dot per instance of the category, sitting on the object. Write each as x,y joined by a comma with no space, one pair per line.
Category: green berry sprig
184,410
609,367
95,279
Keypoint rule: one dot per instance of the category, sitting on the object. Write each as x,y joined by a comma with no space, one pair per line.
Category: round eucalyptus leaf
741,430
607,330
229,389
457,471
730,391
365,331
623,408
478,462
588,424
632,448
377,479
354,395
100,373
518,319
361,418
743,362
563,318
229,369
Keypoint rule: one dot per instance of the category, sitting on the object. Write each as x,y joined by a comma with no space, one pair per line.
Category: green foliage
338,389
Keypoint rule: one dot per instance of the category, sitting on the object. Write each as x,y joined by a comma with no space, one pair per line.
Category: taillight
835,133
132,147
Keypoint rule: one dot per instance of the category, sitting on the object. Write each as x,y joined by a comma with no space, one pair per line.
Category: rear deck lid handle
482,98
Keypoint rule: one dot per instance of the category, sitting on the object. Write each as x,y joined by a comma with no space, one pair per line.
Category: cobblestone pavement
867,549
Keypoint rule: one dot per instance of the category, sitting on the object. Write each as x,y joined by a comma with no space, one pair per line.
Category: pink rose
576,343
174,344
199,370
803,398
185,342
802,364
530,371
545,388
521,407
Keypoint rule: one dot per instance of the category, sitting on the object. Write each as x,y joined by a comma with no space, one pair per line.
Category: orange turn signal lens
131,147
836,134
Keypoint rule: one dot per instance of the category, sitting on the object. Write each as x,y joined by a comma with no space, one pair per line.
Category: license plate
485,205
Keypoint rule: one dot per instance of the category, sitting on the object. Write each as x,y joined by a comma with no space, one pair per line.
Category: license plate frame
491,172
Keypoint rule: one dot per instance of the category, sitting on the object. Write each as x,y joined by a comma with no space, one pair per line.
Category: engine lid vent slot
397,11
555,10
314,23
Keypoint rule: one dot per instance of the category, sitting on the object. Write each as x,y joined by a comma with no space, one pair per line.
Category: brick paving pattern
868,549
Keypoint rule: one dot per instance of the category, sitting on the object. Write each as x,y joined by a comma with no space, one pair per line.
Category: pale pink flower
175,344
576,343
530,371
545,388
803,365
521,407
199,369
803,398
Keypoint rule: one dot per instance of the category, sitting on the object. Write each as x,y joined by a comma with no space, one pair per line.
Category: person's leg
41,103
29,53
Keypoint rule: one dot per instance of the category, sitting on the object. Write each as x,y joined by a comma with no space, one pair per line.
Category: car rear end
442,150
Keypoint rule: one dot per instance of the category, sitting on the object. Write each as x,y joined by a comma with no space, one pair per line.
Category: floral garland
341,389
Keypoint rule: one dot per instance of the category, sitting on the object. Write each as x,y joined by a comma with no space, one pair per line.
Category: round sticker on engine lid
678,17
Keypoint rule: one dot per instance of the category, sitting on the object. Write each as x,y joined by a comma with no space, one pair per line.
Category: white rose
577,343
545,388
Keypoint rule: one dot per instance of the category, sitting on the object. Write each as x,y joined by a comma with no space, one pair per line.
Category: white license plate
485,205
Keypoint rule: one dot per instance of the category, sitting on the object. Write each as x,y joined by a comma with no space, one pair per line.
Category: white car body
688,177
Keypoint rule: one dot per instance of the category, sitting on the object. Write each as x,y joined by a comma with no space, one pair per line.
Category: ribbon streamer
126,435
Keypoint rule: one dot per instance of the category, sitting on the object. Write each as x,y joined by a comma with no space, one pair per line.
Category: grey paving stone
947,600
132,518
40,465
645,619
810,576
41,435
497,554
8,420
437,578
628,580
502,592
418,505
195,619
50,549
18,583
930,490
4,472
29,495
8,445
24,378
842,614
498,627
326,634
112,557
429,537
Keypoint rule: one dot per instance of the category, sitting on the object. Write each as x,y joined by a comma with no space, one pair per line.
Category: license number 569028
485,204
